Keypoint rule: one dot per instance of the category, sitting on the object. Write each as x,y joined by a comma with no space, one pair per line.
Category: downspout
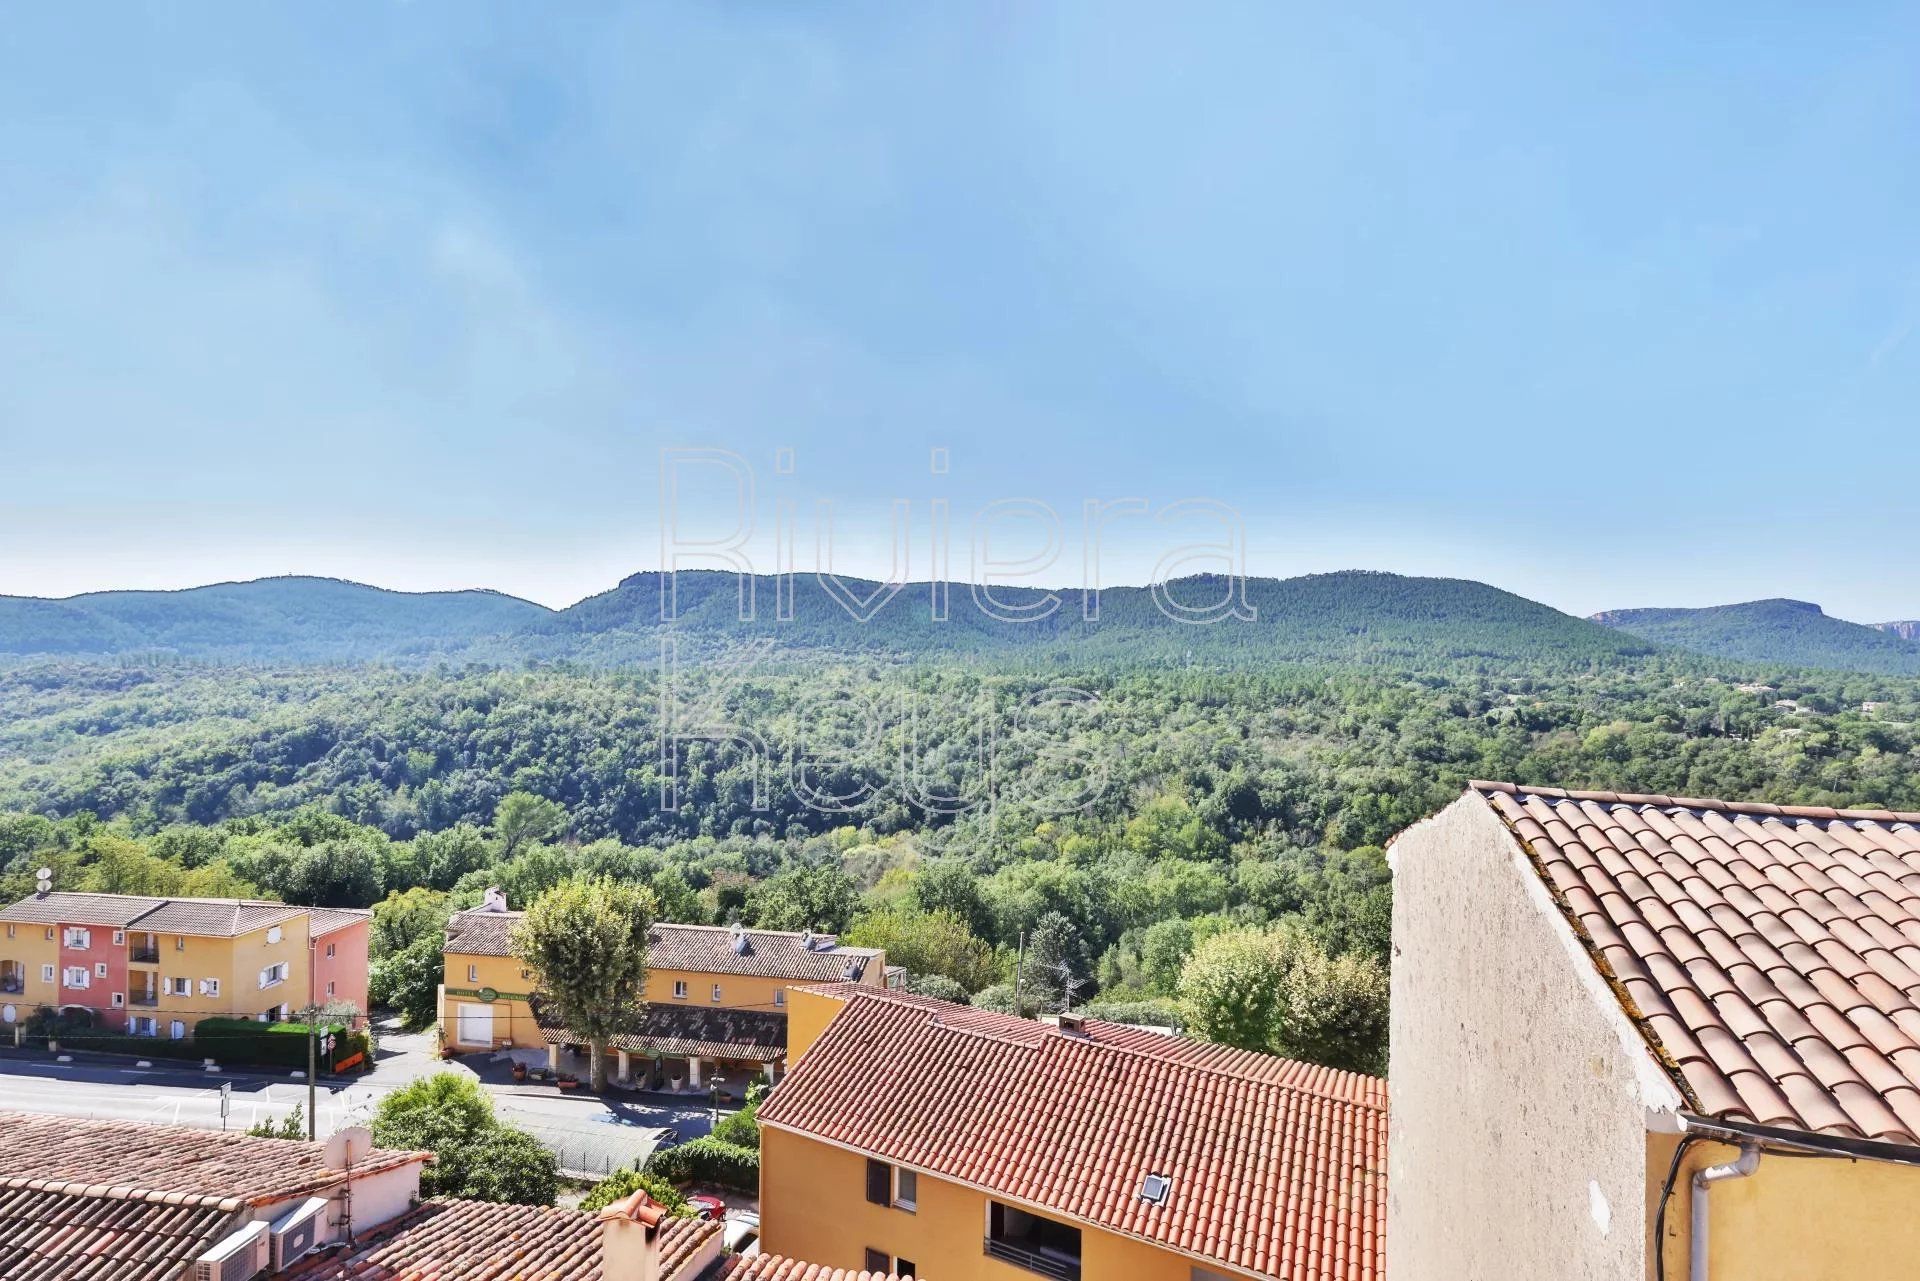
1747,1162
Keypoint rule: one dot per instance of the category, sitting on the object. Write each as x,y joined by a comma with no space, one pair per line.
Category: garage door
476,1025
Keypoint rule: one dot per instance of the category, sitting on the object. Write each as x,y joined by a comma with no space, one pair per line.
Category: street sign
226,1102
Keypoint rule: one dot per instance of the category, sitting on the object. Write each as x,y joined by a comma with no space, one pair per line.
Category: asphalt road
590,1135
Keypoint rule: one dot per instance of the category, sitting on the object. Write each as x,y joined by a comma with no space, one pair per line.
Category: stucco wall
1518,1141
347,969
813,1206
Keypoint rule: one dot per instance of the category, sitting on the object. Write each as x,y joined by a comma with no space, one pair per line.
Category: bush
938,986
269,1044
623,1183
1150,1013
742,1129
708,1160
478,1157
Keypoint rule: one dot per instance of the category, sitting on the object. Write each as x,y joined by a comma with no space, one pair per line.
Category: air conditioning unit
300,1231
239,1257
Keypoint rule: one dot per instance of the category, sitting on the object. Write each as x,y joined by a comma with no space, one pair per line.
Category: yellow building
157,966
1587,984
924,1137
715,998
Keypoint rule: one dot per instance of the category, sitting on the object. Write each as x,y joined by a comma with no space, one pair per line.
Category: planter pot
673,1083
519,1073
569,1085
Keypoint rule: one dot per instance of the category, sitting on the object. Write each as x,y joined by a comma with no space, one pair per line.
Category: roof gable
1277,1168
1769,955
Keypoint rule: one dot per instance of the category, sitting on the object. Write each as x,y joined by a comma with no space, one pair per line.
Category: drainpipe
1747,1163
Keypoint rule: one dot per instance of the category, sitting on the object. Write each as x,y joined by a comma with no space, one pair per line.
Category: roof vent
1155,1189
495,900
1072,1024
806,941
740,945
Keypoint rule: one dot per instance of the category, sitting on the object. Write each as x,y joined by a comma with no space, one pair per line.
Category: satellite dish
347,1148
45,874
43,880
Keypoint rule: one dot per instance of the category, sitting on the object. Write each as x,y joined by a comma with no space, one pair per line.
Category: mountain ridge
1777,630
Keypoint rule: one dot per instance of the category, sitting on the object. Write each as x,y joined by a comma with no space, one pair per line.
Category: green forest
1122,821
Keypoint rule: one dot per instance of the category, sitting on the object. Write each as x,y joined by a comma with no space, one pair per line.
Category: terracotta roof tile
702,1031
1278,1168
214,917
63,1235
65,1150
446,1240
1774,953
774,1267
703,949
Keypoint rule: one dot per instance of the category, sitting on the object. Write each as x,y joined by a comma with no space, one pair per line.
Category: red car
708,1207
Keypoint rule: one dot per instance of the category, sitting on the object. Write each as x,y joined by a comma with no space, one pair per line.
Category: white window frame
177,1030
911,1203
46,974
716,994
209,987
119,1000
679,989
329,987
330,948
273,975
179,942
79,972
99,969
473,974
178,986
119,938
779,996
77,939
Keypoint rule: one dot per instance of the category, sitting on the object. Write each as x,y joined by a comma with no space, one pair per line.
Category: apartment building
924,1138
716,998
1640,1037
157,966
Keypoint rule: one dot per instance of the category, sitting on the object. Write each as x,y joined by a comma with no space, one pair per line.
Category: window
680,989
10,931
273,934
716,991
75,976
877,1261
119,938
274,974
209,987
179,942
144,1026
49,934
46,974
119,999
1031,1242
906,1189
905,1268
179,987
879,1182
78,938
329,987
177,1030
779,996
100,970
330,948
473,974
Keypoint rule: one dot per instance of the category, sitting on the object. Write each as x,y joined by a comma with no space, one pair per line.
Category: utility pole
313,1012
1019,966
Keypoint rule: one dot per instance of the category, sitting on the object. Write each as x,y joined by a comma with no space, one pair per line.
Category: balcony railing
1048,1263
12,984
144,955
143,998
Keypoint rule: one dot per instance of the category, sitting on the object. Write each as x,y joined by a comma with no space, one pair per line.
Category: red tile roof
80,1154
1277,1168
1770,955
48,1235
700,949
445,1240
211,917
774,1267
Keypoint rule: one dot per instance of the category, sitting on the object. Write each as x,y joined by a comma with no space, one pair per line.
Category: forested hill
1350,618
1783,632
269,619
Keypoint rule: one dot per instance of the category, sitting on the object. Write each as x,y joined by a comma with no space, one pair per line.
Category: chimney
630,1239
495,900
1071,1024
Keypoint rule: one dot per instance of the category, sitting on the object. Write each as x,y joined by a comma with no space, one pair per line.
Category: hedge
708,1160
270,1044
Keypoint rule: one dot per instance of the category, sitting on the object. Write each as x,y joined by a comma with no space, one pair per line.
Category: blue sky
1611,306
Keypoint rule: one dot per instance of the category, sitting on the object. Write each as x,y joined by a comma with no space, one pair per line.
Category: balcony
12,984
1043,1261
1028,1241
143,998
143,956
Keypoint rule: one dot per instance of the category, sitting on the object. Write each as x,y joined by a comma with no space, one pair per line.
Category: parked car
708,1207
743,1232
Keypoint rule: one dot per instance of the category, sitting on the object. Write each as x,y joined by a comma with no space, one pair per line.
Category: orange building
156,966
912,1134
715,1001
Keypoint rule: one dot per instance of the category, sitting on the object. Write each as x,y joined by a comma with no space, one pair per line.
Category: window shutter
263,978
879,1181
